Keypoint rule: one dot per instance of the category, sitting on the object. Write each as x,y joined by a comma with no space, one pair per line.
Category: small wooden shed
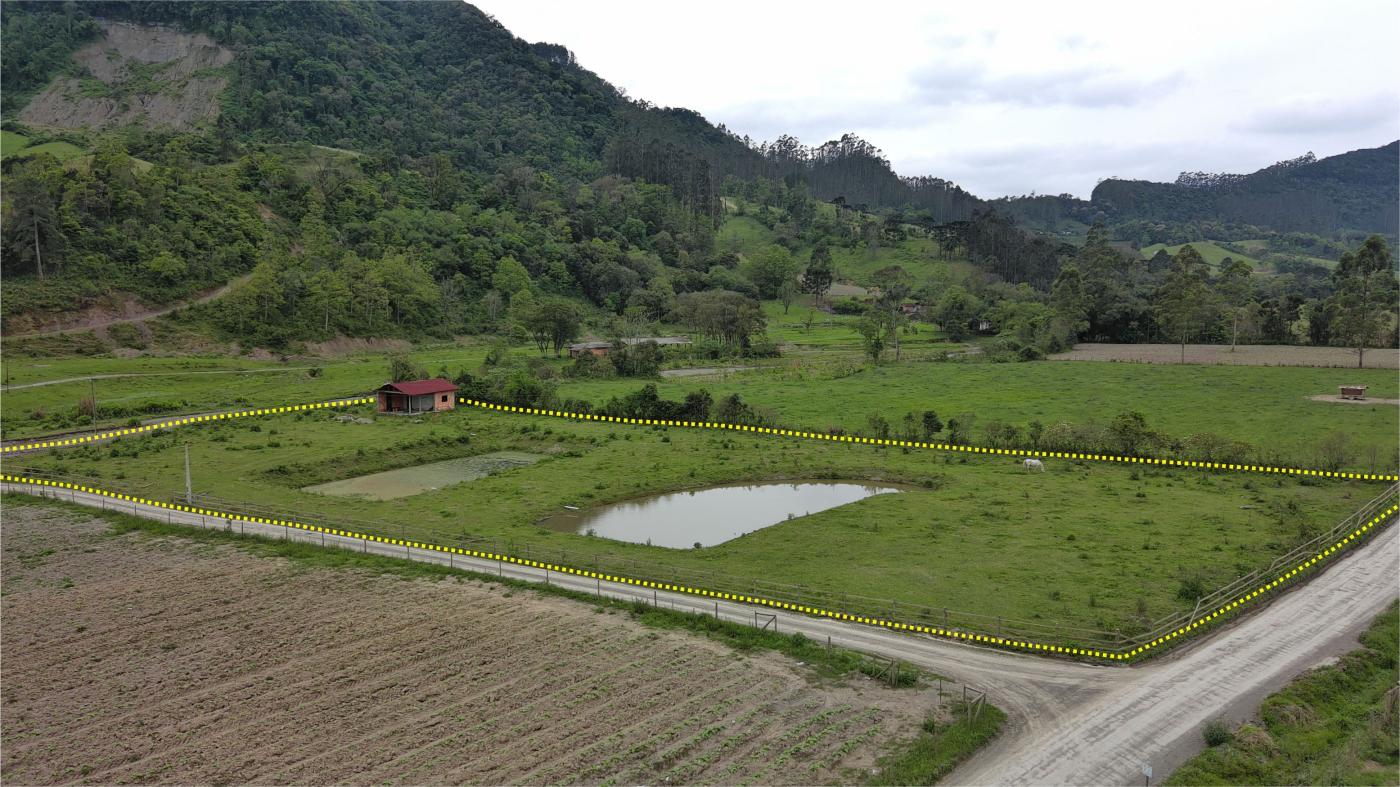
417,396
1353,392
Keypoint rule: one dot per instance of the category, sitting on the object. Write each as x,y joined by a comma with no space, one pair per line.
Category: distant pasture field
1268,407
1245,355
12,143
1209,251
820,382
1083,544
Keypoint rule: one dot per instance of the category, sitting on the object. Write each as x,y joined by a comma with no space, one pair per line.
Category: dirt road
96,319
1070,723
85,378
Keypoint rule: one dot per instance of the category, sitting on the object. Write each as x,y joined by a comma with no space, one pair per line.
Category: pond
711,516
407,481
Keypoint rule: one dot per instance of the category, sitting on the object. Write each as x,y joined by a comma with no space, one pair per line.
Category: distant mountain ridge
1351,191
410,80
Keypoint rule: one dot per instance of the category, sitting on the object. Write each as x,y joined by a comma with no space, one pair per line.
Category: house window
444,397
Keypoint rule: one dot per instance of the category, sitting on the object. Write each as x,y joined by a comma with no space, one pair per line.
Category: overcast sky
1008,97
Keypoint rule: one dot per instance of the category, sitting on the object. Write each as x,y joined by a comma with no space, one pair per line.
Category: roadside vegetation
939,748
1337,724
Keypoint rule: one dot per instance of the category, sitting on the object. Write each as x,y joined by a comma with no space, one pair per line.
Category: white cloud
1006,97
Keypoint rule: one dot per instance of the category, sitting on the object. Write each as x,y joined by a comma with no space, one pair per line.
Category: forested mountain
413,168
1355,191
1352,191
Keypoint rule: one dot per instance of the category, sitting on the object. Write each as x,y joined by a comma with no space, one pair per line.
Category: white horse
1033,465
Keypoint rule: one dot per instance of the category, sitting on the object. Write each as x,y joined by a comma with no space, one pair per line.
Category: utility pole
92,394
189,490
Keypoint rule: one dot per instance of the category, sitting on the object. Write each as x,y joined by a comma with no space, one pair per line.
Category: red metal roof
420,387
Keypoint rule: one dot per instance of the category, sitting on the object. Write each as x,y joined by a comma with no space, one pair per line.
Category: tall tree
554,322
31,196
895,287
1365,295
1184,302
1069,306
769,268
820,273
876,328
955,311
1234,288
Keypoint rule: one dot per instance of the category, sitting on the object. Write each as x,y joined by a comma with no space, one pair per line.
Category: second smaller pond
711,516
407,481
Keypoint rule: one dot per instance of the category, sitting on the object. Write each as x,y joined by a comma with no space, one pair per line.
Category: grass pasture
1266,406
820,382
1212,253
63,151
1092,545
12,143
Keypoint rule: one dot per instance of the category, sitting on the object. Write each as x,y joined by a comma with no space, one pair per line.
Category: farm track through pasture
1070,723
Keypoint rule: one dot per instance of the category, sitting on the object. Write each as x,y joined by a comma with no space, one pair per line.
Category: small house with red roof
417,396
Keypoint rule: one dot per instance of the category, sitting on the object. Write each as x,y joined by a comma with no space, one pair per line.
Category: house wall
419,404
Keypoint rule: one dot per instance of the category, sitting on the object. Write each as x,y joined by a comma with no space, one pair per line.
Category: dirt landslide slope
155,76
134,658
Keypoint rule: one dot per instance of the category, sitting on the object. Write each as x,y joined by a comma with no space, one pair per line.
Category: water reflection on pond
711,516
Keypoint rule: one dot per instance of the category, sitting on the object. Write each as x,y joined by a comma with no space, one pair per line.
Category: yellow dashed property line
944,633
1018,452
185,421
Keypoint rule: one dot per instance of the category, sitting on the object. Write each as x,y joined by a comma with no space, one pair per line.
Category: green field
12,143
820,382
917,255
1266,406
1335,725
1092,545
1209,251
63,151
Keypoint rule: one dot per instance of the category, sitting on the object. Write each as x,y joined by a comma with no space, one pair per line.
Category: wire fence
1059,633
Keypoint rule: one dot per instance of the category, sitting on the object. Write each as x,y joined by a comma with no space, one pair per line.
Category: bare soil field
137,659
1244,355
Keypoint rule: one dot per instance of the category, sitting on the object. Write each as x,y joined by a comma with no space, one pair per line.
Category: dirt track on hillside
141,659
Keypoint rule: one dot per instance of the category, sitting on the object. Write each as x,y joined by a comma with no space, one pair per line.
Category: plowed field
136,658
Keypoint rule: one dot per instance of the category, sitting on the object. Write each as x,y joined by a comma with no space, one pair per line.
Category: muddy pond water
713,515
407,481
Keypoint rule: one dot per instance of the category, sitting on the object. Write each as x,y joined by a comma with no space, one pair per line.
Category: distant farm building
417,396
600,348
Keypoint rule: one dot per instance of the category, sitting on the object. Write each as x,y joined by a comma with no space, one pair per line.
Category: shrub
848,306
1333,451
1192,588
1217,732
